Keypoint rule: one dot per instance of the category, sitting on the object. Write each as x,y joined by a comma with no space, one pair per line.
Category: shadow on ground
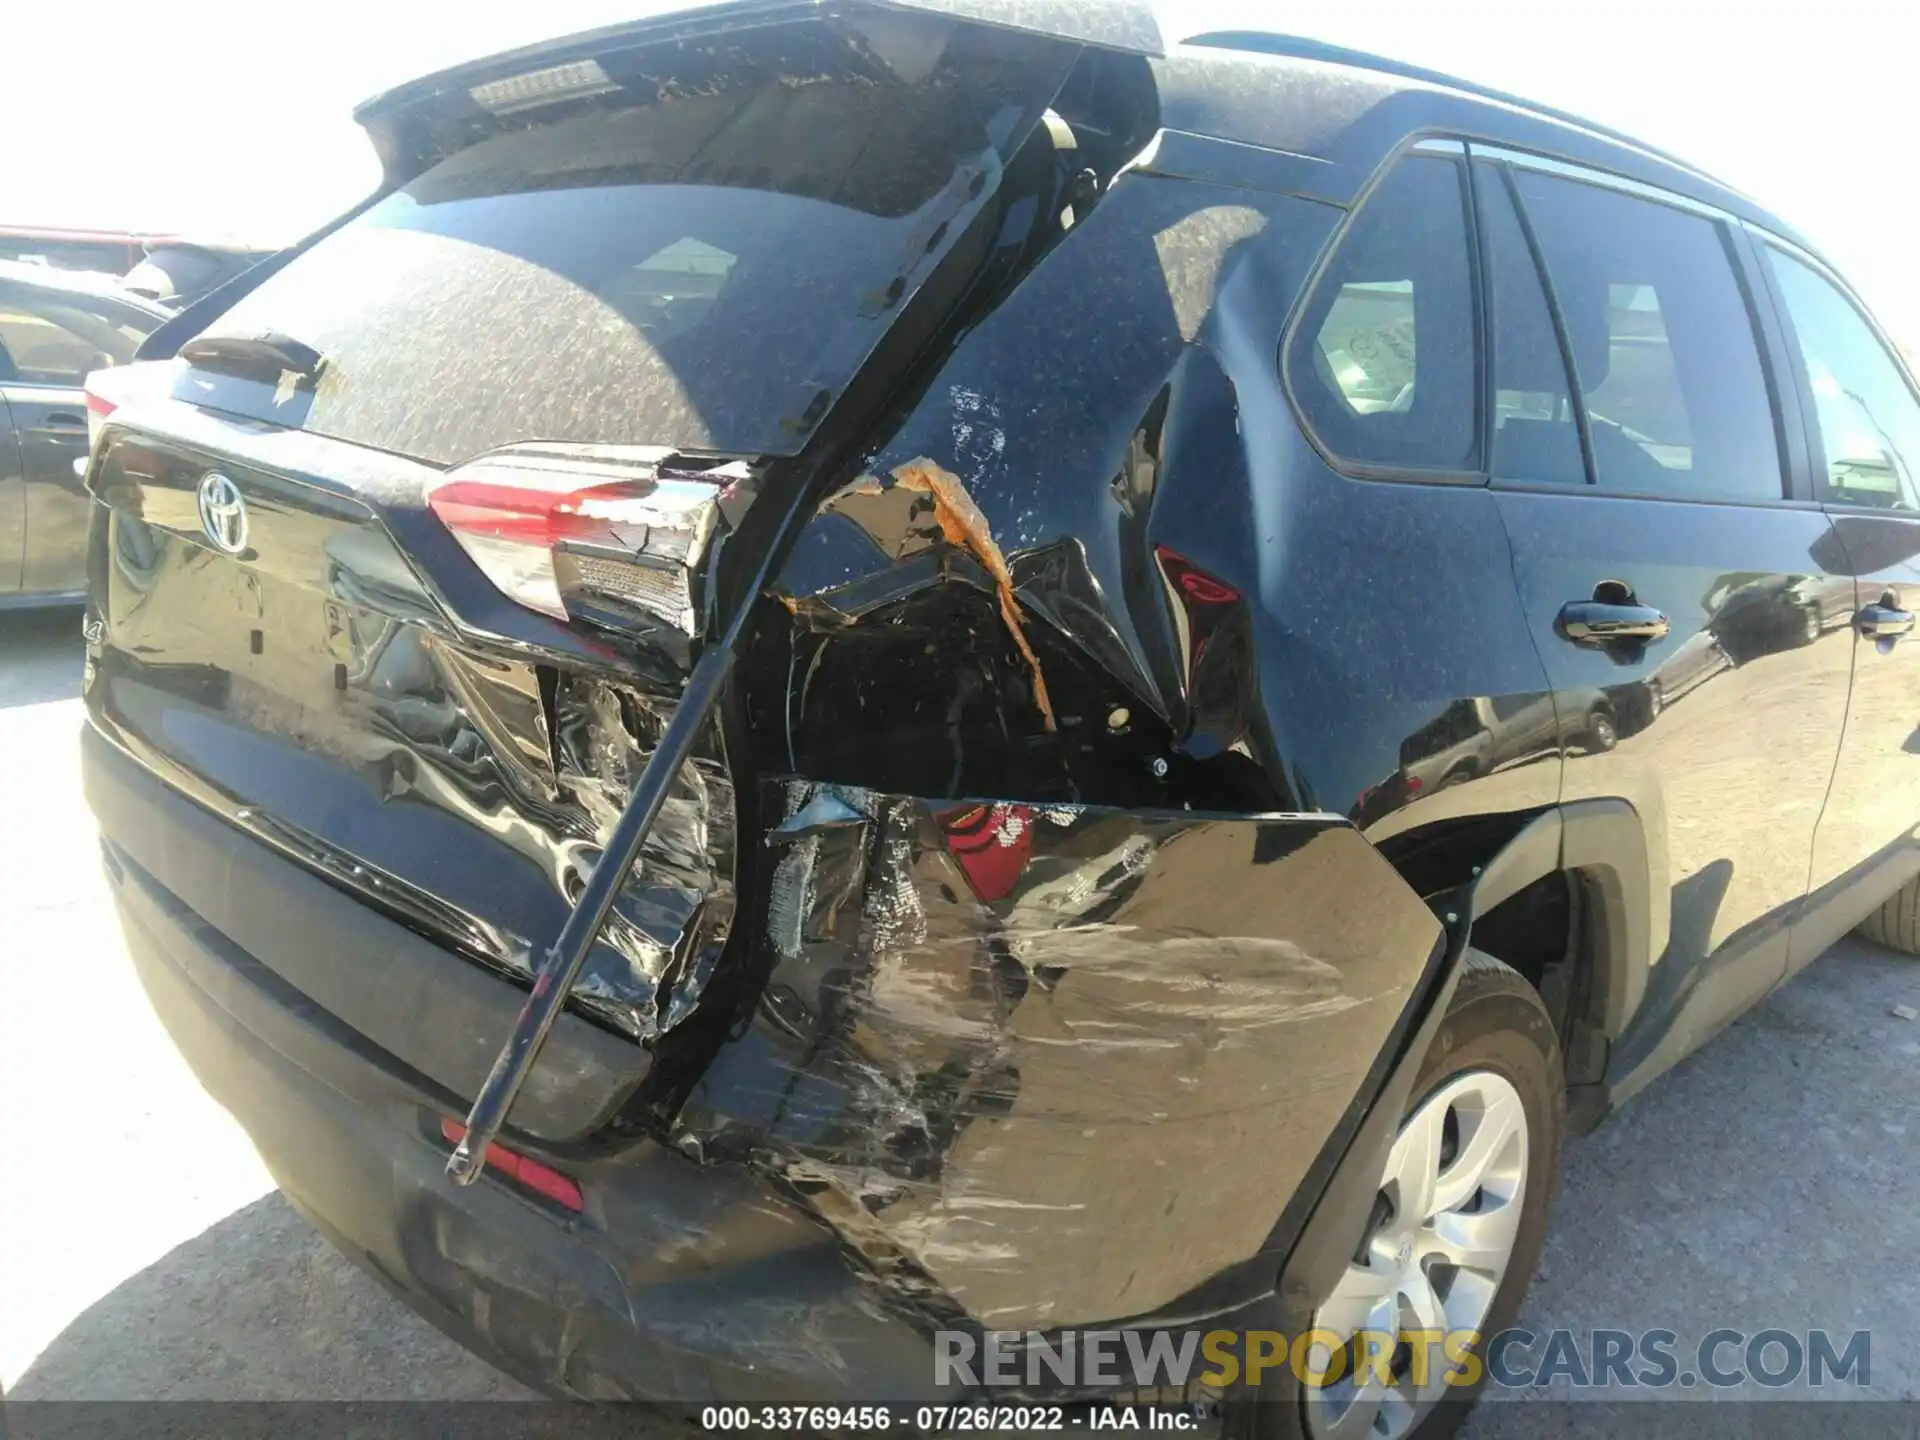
256,1307
40,655
1766,1181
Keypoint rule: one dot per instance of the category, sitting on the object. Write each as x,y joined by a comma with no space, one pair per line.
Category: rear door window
1383,362
1663,343
1535,435
1868,419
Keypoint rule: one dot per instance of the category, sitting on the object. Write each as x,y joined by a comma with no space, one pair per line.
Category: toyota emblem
223,513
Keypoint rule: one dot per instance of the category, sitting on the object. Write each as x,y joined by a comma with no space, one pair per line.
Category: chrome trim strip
298,455
1525,160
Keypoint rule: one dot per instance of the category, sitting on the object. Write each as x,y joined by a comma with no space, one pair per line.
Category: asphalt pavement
1768,1181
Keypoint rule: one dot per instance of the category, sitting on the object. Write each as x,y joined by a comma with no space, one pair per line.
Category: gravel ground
1767,1181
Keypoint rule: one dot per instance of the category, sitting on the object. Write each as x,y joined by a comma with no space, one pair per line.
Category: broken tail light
617,527
1201,603
992,844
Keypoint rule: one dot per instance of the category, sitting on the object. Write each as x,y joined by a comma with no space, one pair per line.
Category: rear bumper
681,1282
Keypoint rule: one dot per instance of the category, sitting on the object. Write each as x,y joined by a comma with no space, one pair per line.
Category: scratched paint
1003,1050
962,526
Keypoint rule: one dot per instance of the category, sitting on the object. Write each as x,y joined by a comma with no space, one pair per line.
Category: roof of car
78,282
1351,109
1123,25
1345,109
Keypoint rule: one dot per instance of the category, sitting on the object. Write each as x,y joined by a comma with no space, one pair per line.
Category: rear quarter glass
654,265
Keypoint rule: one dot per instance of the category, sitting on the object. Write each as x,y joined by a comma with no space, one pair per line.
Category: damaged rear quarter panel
1050,415
1056,1066
1098,420
1043,1065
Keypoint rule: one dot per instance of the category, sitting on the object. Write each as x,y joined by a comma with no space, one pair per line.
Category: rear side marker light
531,1174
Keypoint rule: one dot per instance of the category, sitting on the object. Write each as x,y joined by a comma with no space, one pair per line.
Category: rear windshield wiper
266,356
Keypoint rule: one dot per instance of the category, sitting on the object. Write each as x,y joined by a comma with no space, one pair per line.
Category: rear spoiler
1125,26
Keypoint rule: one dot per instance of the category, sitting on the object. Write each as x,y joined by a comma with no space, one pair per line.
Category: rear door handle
1881,621
1599,622
63,428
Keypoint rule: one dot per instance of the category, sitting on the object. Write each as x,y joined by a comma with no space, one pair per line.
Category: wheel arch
1617,916
1601,847
1604,845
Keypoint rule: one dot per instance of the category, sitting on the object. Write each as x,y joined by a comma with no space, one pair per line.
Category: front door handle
1601,622
1881,621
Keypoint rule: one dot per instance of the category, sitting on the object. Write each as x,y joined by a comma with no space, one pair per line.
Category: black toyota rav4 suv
989,521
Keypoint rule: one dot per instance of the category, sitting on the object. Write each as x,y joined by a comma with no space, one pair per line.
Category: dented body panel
1000,1045
978,1057
323,698
1164,522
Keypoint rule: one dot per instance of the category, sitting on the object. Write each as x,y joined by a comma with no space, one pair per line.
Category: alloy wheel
1442,1233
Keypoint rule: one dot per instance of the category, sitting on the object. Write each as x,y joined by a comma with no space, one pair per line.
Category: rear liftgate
1125,27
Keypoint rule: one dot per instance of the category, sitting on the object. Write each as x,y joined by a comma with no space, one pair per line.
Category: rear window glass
1535,435
1383,364
706,270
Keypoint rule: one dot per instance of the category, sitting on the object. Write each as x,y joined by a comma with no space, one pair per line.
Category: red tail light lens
98,409
537,517
549,523
1203,603
992,844
540,1179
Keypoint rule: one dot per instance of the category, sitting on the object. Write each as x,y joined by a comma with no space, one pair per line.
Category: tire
1896,924
1495,1026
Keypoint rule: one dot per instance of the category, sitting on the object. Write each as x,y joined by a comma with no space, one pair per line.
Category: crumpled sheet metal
1124,434
1046,1067
670,924
961,525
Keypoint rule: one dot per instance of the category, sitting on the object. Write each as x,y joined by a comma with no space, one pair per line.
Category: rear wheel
1458,1218
1896,924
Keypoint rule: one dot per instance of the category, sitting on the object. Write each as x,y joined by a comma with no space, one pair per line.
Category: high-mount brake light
574,80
